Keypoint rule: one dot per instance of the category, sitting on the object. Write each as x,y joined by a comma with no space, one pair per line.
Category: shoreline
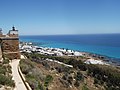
111,58
92,57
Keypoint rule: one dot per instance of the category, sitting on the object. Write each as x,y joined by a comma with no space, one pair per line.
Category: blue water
103,44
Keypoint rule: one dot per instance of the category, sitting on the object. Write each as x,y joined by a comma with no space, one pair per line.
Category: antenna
13,28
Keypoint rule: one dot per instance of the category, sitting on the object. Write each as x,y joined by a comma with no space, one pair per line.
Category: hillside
43,74
6,81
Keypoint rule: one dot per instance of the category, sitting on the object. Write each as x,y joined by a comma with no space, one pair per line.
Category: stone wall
10,48
12,56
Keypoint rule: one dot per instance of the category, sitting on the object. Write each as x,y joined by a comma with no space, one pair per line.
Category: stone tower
10,44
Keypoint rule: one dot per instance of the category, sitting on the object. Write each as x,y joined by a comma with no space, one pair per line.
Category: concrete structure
10,44
13,32
19,84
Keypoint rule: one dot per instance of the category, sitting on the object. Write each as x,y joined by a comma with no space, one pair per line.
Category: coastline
102,44
92,58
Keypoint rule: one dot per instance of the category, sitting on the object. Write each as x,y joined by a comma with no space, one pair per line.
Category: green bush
48,79
3,70
6,81
40,87
79,76
96,81
109,75
85,87
6,61
9,69
77,83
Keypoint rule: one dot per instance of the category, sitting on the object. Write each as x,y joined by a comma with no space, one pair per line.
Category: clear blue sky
41,17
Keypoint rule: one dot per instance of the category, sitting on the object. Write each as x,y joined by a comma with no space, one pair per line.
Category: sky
51,17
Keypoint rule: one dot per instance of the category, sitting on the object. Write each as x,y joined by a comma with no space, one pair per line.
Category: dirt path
19,85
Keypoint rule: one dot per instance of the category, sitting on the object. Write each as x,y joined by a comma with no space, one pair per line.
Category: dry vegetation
46,75
5,74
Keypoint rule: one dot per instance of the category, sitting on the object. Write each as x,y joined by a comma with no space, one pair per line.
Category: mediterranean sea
103,44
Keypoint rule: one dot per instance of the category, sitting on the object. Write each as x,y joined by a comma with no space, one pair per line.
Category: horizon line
66,34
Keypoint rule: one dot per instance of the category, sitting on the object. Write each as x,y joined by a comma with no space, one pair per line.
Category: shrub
48,79
85,87
77,84
6,81
6,61
96,81
9,69
79,76
40,87
3,70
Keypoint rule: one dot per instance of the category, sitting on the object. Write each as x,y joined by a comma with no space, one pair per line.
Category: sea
102,44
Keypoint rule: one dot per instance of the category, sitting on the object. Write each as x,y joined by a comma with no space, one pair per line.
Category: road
19,85
59,63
